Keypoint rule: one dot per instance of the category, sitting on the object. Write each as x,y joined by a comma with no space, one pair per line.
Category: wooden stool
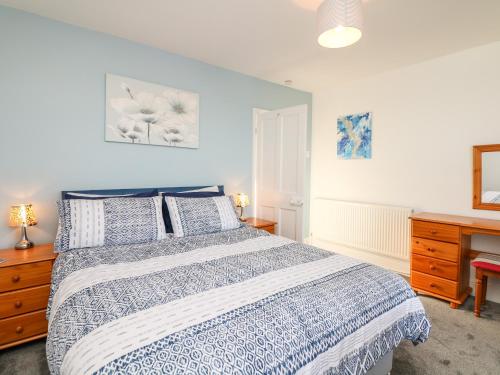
486,265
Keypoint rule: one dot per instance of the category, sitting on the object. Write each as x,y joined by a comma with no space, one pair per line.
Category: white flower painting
145,113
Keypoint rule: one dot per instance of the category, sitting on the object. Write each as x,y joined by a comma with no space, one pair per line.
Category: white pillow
83,195
208,189
211,189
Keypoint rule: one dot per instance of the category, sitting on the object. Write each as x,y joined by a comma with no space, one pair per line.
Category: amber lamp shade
22,215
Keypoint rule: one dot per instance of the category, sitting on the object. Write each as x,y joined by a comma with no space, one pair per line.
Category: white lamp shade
339,23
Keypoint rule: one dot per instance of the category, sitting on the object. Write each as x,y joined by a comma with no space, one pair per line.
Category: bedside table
261,224
25,279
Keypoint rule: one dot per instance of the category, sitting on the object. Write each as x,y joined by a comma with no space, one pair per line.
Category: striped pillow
192,216
114,221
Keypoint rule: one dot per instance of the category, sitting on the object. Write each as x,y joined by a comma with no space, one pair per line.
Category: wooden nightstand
25,279
261,224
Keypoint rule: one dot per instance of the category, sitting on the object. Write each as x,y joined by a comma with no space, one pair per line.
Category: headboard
135,191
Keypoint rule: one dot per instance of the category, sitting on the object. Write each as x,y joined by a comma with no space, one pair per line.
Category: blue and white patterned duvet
236,302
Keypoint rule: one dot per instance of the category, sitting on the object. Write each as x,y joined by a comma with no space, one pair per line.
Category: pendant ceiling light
339,23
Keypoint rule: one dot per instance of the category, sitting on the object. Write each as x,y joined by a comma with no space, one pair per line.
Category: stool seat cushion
486,261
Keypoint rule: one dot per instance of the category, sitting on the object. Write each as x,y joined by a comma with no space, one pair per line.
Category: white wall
426,118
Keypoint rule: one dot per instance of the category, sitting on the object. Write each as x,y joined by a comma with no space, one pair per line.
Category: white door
280,160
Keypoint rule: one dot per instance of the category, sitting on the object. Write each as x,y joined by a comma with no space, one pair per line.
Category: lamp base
24,244
242,218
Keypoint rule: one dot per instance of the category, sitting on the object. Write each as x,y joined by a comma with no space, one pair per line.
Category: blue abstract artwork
354,136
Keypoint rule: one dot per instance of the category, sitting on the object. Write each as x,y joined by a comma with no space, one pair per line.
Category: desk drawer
24,276
435,249
25,300
433,284
435,231
433,266
22,326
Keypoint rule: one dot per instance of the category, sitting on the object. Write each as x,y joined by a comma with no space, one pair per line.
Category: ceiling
275,39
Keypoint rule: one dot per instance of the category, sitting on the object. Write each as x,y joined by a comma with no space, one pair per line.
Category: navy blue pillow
146,194
195,194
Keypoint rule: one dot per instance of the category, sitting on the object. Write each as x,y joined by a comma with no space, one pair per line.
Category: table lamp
22,215
241,200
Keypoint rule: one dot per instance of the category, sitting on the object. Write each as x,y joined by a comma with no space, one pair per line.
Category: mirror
486,177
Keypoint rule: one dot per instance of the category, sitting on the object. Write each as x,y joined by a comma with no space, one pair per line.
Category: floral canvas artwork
146,113
354,136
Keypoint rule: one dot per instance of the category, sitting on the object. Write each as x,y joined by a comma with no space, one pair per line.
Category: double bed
239,301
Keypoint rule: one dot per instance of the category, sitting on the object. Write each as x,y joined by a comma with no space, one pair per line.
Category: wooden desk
440,253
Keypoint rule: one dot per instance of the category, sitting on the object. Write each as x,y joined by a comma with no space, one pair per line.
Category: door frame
255,123
255,120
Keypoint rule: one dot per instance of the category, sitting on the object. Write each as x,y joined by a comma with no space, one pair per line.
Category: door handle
296,202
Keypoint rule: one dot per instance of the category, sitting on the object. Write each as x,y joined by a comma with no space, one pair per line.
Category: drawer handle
433,285
433,231
431,249
18,304
16,278
19,329
432,267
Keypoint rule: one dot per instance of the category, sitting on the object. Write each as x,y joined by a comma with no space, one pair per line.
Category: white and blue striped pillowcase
209,215
87,223
83,223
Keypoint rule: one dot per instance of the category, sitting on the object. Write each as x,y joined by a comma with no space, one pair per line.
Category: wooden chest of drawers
25,278
439,260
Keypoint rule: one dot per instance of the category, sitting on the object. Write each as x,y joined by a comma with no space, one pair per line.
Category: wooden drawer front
436,267
435,231
269,228
433,284
22,326
24,300
24,276
435,249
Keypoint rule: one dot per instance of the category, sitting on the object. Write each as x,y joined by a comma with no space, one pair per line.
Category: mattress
234,302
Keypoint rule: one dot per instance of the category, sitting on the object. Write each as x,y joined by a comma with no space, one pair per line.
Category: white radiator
379,229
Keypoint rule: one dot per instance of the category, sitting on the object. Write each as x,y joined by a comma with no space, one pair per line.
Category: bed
491,197
240,301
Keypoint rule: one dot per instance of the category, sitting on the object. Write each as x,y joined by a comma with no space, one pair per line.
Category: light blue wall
52,109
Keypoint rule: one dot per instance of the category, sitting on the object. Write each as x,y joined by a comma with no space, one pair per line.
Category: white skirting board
397,265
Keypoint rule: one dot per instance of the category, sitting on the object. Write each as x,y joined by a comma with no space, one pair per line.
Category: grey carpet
460,344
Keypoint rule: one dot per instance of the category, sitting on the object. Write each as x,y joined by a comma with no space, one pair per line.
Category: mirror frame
478,177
